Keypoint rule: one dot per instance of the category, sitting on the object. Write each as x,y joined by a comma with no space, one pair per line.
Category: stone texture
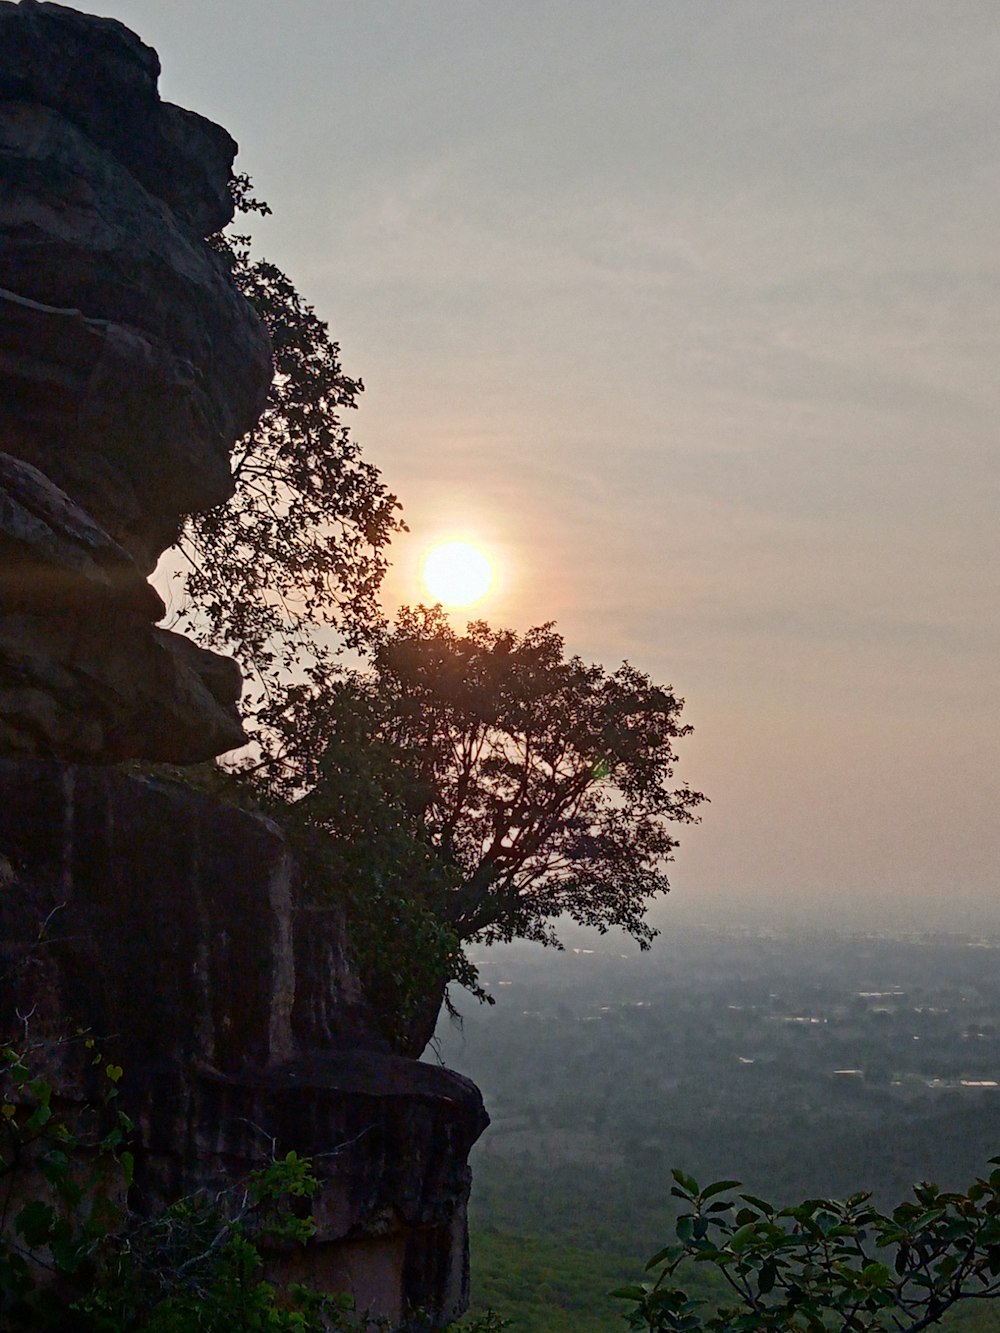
129,365
99,76
54,557
175,933
83,673
104,687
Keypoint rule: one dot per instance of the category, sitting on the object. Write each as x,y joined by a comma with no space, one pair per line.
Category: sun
457,573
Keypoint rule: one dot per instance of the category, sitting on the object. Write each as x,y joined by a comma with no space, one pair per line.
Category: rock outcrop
129,366
143,363
169,926
84,674
175,934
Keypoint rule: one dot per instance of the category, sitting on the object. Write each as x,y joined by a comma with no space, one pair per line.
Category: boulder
84,674
54,557
99,76
129,363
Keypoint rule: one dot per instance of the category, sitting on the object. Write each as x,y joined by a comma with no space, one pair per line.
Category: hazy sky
688,311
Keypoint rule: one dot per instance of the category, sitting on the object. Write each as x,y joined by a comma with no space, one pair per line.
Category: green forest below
604,1068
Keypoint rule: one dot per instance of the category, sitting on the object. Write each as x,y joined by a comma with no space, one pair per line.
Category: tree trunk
420,1028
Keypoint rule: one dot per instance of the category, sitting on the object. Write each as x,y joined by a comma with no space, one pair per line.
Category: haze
689,313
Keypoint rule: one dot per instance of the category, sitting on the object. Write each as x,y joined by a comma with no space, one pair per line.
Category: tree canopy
302,544
463,787
497,783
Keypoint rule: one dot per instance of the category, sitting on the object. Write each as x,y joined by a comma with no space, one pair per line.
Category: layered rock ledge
129,363
129,366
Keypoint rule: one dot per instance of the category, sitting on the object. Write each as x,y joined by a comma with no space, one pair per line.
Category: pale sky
688,312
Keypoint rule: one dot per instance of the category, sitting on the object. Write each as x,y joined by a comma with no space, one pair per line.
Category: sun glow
457,573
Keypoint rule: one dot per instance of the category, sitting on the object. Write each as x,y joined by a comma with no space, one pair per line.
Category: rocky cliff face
129,365
174,932
145,363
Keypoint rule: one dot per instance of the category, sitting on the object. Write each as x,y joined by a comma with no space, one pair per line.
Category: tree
825,1264
490,782
466,787
302,543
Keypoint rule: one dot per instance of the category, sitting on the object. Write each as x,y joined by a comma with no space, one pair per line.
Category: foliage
347,833
466,787
199,1265
482,784
76,1154
825,1264
489,1322
303,541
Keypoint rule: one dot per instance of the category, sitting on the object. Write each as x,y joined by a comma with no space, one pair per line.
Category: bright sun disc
457,573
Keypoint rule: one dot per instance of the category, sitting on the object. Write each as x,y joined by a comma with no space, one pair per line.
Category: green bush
824,1264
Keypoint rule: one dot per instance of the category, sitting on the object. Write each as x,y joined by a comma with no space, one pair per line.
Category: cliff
164,923
175,931
129,365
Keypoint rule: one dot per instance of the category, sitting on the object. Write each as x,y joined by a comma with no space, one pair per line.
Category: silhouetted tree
465,787
491,782
302,543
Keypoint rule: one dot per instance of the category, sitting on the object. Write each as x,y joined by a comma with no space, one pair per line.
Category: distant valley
802,1062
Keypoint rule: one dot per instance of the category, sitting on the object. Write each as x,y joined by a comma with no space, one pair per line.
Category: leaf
667,1255
35,1222
761,1205
740,1239
719,1187
876,1275
41,1090
631,1293
39,1117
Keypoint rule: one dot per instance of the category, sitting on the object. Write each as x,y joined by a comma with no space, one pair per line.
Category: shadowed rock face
129,366
83,674
176,932
101,78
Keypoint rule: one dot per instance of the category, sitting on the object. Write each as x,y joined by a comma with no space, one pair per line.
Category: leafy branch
824,1264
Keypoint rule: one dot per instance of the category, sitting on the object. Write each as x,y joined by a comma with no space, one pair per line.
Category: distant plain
801,1061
